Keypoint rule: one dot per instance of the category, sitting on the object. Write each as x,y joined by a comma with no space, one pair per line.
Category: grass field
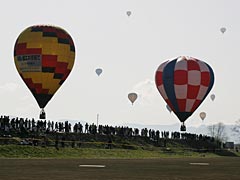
220,168
33,163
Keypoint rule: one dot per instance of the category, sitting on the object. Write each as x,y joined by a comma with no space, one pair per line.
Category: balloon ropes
44,56
184,83
132,97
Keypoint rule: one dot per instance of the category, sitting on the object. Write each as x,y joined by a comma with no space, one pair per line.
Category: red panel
21,46
158,78
192,65
61,67
195,105
180,77
181,104
21,49
49,60
192,91
49,29
29,83
66,74
45,91
63,35
34,51
205,78
38,88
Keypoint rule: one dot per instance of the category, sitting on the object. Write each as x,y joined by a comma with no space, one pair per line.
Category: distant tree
236,129
218,131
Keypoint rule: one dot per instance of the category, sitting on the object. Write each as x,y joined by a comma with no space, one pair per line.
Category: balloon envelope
202,115
132,97
44,57
184,83
223,29
98,71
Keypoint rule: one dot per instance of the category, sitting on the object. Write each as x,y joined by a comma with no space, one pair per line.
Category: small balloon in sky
129,13
202,115
212,97
98,71
132,97
223,30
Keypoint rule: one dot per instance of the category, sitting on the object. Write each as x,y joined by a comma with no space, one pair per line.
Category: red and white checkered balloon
184,83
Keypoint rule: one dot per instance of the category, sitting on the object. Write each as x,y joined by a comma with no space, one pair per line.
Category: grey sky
129,49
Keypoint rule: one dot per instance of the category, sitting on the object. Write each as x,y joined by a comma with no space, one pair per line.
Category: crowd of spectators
21,126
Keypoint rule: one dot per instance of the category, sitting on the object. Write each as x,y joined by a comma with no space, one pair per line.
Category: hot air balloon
184,83
223,29
129,13
132,97
44,56
98,71
168,108
202,115
212,97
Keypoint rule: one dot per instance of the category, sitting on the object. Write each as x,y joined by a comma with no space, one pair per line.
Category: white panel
194,77
162,91
189,104
202,92
162,66
181,65
203,66
181,91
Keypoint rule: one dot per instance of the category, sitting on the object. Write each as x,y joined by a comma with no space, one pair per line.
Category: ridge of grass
20,151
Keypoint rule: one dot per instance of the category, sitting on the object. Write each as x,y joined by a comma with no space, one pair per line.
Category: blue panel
211,79
210,83
168,83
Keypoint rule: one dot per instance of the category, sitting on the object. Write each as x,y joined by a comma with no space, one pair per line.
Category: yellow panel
67,57
34,45
50,83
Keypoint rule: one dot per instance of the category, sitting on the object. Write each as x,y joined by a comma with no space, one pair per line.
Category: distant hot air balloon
132,97
168,108
98,71
202,115
44,56
129,13
184,83
212,97
223,29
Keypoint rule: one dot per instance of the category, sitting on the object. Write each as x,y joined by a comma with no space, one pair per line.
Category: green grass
18,151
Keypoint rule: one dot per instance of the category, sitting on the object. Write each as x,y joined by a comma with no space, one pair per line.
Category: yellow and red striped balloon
44,56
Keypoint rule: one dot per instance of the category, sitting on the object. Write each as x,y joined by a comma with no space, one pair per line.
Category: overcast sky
129,50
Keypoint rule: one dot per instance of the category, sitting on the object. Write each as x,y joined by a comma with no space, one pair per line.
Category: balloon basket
42,114
183,128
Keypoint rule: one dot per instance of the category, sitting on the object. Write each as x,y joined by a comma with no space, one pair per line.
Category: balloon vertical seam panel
44,57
